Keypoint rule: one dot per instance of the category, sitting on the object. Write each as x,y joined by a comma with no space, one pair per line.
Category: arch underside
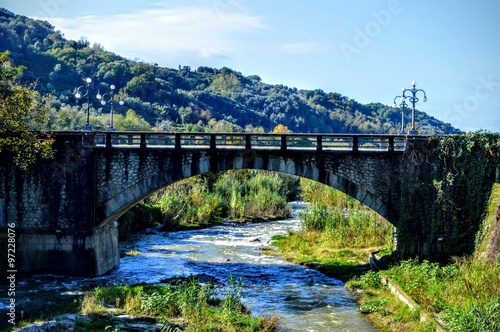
306,167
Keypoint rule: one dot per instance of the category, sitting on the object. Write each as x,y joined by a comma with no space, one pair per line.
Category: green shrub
473,283
376,305
194,303
473,317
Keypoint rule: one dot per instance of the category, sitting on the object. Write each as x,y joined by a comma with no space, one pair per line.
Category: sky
364,49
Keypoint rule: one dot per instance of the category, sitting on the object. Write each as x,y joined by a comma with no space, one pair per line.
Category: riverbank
352,266
208,199
462,296
198,303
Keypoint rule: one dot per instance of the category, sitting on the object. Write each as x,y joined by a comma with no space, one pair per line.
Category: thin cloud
211,53
165,32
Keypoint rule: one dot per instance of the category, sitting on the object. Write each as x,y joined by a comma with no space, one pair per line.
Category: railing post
88,139
248,141
213,144
283,142
391,144
109,144
355,146
319,143
177,141
143,141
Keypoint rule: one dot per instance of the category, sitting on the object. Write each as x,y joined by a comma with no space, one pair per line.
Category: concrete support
105,246
80,254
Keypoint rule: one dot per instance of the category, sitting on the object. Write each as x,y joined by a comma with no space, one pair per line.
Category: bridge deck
246,141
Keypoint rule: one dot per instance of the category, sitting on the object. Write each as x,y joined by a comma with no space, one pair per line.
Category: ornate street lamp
100,97
403,105
78,95
110,101
413,100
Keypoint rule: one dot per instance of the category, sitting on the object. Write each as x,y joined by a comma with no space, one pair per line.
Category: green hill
204,99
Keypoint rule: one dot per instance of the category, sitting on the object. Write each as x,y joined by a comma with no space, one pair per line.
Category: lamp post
110,101
403,105
78,95
413,100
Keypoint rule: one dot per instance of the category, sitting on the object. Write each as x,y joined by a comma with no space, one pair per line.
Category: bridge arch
63,209
126,177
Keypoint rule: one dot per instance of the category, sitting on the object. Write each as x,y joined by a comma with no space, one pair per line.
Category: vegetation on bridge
448,194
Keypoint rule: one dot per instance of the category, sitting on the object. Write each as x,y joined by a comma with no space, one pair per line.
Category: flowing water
306,300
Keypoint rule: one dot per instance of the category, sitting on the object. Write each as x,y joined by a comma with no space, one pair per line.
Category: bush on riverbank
181,305
466,294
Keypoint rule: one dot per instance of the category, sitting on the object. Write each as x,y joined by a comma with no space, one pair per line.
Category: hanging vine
444,192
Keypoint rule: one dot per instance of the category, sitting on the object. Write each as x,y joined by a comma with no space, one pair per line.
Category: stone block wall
126,176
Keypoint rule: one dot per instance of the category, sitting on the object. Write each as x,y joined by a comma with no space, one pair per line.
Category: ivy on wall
445,185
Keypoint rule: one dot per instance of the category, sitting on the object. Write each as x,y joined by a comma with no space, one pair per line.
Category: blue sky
364,49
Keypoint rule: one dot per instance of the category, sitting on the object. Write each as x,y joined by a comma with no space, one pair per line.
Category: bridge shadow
341,271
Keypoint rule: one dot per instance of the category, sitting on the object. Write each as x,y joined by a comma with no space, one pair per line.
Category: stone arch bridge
64,210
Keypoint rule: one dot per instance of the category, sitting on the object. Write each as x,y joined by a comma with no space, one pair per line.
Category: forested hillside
181,99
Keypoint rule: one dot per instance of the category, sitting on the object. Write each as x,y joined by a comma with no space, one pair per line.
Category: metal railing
246,141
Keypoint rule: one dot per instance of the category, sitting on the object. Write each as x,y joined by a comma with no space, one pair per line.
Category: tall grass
255,194
337,234
207,199
343,221
466,294
192,304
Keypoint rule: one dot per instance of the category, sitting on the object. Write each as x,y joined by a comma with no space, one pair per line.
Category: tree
131,122
22,116
281,129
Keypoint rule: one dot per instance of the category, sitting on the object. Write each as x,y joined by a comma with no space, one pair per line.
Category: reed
187,301
207,199
344,221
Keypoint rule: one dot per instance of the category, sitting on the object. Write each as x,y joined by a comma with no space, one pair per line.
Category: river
305,299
